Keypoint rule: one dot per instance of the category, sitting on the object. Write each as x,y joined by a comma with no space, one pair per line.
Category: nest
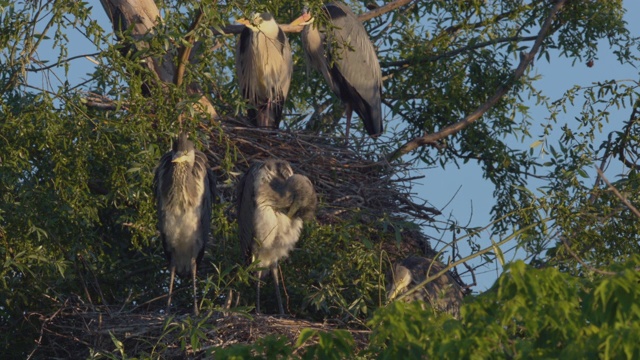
77,331
345,180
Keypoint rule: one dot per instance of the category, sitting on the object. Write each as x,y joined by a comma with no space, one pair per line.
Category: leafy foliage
78,145
528,313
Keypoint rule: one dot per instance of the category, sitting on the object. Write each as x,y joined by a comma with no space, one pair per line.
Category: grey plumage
346,58
272,204
184,189
443,293
263,68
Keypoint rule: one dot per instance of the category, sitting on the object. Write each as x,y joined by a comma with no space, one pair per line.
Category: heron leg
276,282
259,275
349,112
173,275
193,275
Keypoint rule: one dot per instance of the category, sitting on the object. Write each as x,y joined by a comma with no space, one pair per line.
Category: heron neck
269,30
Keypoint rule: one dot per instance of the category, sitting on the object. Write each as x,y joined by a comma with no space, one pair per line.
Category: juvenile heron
272,204
263,68
345,56
184,188
443,293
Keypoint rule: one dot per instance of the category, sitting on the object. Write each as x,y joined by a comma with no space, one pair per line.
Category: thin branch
465,259
29,50
35,70
525,61
455,28
237,29
458,51
582,262
382,10
622,198
185,51
626,137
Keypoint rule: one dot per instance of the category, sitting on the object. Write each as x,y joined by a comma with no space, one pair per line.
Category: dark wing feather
282,42
159,183
242,59
202,173
246,207
277,105
356,70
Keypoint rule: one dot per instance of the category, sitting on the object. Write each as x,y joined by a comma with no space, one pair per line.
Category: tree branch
525,60
237,29
582,262
185,51
465,259
458,51
625,138
624,200
382,10
59,63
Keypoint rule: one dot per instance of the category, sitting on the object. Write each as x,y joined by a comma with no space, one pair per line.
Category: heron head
183,150
305,199
258,21
398,278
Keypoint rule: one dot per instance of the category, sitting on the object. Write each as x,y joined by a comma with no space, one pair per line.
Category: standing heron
443,293
263,68
272,204
345,56
184,188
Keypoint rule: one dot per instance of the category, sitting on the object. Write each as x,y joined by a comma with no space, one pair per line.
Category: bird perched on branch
263,68
272,204
346,58
184,188
443,293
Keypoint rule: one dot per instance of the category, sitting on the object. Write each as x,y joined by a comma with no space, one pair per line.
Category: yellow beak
243,21
304,19
179,159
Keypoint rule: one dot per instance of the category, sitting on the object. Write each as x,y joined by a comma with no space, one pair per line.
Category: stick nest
79,331
346,181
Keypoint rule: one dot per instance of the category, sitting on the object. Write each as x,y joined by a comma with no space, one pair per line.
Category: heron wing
246,207
356,70
202,174
286,68
162,181
244,64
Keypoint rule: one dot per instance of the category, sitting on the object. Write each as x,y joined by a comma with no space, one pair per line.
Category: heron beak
179,159
392,294
244,21
304,19
293,210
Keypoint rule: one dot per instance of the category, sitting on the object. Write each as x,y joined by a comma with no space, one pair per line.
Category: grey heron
184,188
443,293
263,68
272,204
346,58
